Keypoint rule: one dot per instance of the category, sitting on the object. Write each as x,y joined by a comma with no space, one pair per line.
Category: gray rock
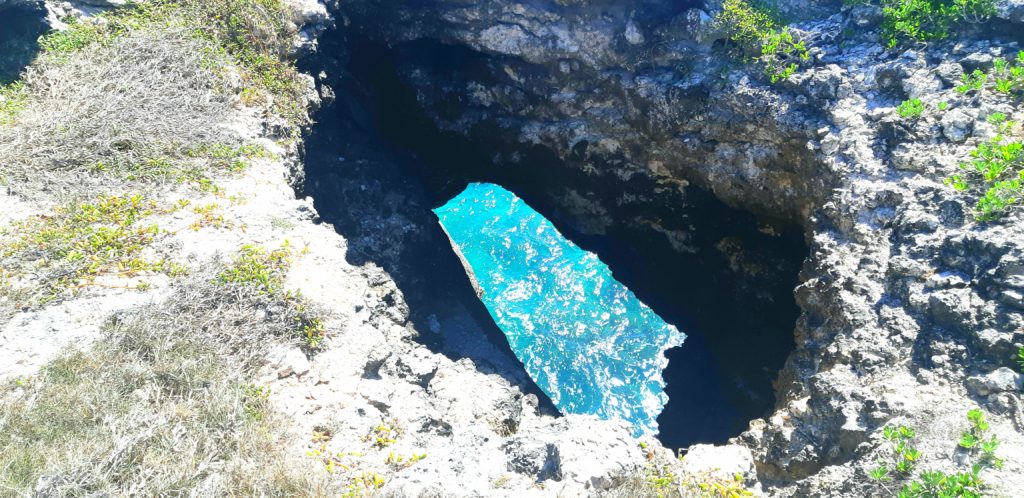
998,381
288,361
535,458
957,125
1010,10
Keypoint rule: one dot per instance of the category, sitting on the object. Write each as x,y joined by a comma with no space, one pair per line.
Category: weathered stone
997,381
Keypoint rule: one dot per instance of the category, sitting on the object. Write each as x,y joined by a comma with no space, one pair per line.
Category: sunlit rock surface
587,341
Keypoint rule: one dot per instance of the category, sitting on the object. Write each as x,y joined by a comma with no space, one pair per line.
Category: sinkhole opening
377,164
20,29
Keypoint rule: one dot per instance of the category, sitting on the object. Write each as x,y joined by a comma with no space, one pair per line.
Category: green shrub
1008,76
905,456
755,35
925,20
996,173
997,170
975,440
972,82
1020,358
910,109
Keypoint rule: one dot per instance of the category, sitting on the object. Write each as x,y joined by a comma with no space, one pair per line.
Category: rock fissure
900,292
693,259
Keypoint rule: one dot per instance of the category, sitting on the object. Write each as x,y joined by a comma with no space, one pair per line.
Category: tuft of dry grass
139,97
113,116
165,406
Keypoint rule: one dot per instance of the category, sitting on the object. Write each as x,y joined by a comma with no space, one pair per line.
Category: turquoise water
586,340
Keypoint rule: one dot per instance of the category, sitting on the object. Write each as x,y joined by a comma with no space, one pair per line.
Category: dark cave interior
732,296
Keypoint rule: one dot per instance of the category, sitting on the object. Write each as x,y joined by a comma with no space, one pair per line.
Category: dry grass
661,482
141,97
114,117
163,407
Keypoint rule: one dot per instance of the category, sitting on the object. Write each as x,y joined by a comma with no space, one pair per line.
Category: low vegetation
755,35
165,405
926,20
660,481
138,97
47,258
910,109
896,475
995,173
265,271
12,101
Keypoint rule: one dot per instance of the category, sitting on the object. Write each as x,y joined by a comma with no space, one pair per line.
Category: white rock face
480,434
723,462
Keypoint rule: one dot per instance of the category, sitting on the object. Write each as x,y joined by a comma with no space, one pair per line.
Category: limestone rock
997,381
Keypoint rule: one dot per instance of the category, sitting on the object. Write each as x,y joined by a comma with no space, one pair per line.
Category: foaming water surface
586,340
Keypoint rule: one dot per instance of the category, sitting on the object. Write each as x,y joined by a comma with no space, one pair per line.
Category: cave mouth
20,29
731,293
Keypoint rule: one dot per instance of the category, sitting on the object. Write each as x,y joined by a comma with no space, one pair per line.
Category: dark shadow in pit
362,187
733,296
20,29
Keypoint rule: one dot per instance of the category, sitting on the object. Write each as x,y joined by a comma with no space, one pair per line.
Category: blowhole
724,277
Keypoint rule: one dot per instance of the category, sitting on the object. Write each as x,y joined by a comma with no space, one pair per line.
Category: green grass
658,480
103,28
174,64
49,257
257,35
12,101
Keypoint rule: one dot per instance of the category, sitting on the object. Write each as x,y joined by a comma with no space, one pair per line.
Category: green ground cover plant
164,405
996,170
12,100
755,35
660,481
900,468
910,109
51,257
257,268
995,173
